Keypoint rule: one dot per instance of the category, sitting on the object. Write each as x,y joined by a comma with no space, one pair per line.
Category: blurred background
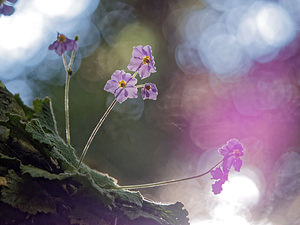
225,69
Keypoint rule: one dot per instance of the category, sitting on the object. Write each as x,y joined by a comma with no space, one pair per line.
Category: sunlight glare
25,30
58,8
275,25
240,190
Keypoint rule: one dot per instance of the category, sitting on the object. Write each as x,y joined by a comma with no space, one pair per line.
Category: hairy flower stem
161,183
140,86
95,131
68,138
134,75
68,69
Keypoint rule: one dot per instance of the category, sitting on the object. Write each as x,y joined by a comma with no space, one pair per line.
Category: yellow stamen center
122,84
146,60
237,153
147,87
61,38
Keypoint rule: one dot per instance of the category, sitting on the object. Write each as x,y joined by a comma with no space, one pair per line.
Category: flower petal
60,49
237,164
117,75
227,163
138,52
111,86
132,91
121,95
144,71
147,50
234,144
53,45
71,45
128,79
134,64
224,150
217,173
217,186
7,10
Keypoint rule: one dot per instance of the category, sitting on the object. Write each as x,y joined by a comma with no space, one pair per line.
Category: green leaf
28,111
44,113
42,179
128,197
9,104
102,179
37,172
27,195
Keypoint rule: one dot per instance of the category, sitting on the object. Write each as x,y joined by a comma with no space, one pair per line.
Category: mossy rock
41,185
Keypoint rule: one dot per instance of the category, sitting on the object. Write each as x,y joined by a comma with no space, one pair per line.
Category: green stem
134,75
95,131
140,86
161,183
67,109
64,62
71,60
67,118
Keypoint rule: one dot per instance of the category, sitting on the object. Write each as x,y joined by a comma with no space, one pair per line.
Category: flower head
6,7
63,44
122,85
149,91
142,61
231,151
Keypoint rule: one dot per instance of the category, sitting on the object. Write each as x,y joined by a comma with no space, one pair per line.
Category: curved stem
95,131
161,183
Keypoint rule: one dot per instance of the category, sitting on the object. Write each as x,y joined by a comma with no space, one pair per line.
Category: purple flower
231,151
221,177
149,91
142,61
122,85
63,44
6,7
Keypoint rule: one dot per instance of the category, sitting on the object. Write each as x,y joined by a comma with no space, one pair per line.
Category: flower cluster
6,7
231,151
123,85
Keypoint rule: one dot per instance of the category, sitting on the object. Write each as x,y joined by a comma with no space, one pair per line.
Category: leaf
28,111
27,195
3,181
9,104
128,197
102,179
38,173
56,147
4,133
8,161
42,179
44,113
